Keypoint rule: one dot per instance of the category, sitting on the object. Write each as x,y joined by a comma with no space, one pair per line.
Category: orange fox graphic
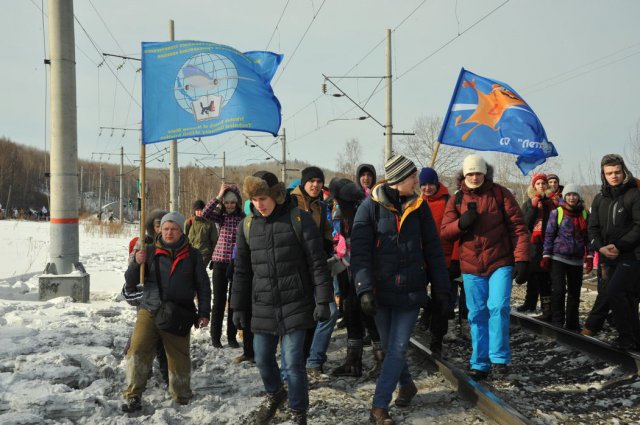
490,107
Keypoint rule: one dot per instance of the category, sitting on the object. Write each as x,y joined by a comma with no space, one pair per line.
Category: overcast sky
575,62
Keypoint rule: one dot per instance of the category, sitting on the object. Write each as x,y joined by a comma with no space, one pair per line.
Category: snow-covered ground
62,362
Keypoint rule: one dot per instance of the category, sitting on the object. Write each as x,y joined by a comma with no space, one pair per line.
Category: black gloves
441,304
240,320
368,303
211,265
467,219
520,272
322,312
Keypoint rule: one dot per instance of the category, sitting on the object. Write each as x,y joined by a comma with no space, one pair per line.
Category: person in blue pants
494,247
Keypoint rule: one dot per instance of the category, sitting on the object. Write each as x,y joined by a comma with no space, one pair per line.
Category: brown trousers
140,359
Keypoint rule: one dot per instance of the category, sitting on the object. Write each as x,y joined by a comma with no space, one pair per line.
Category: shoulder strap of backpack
561,214
296,222
246,228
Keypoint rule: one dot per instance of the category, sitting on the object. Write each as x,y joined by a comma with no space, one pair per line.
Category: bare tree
422,146
347,161
632,150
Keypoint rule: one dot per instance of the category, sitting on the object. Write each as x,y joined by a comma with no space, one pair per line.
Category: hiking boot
478,375
525,308
406,394
588,332
500,369
314,372
132,404
378,358
380,416
353,363
216,343
545,307
269,406
436,345
299,417
233,343
243,358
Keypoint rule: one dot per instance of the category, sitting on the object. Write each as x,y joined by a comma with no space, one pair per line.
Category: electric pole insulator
324,88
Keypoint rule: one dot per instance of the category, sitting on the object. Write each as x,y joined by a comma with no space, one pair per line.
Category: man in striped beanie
393,238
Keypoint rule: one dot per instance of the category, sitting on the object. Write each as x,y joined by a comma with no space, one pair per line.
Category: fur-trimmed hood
155,214
255,186
532,192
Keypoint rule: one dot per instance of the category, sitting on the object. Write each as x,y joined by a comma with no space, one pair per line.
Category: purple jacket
227,227
564,242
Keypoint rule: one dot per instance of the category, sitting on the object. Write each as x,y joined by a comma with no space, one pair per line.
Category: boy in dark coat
281,276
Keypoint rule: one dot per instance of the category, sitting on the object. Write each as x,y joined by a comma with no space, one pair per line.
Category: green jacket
203,235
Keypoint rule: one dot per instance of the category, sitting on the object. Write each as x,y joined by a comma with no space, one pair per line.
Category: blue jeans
321,338
395,327
488,301
264,346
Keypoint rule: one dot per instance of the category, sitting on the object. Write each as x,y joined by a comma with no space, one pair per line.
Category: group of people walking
279,262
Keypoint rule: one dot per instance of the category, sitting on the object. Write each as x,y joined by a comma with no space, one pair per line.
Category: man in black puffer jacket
281,276
614,230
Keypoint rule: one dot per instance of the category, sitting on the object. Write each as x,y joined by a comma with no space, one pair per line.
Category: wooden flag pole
435,155
143,172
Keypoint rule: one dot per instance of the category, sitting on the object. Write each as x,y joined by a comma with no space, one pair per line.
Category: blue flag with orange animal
198,88
488,115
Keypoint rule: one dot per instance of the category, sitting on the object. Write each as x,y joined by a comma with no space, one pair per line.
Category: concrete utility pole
120,216
388,128
100,193
64,240
174,171
284,156
224,166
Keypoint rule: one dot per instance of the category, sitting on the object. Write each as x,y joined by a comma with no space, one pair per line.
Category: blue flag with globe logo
198,88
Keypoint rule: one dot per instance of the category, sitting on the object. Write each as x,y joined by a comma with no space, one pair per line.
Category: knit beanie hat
571,188
174,216
311,173
474,163
428,175
538,176
264,183
345,190
553,177
198,205
398,168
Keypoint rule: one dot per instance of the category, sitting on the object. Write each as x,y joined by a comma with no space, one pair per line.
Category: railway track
556,376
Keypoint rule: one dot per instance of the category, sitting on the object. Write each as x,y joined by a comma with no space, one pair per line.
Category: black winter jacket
183,277
276,275
615,219
399,254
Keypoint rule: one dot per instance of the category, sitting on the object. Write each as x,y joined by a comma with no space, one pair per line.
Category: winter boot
380,416
353,364
132,404
545,303
436,344
406,394
378,358
269,406
299,417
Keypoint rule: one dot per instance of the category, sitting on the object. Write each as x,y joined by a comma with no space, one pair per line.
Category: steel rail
629,361
490,404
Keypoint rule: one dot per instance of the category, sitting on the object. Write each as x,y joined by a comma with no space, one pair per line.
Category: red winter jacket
497,238
437,203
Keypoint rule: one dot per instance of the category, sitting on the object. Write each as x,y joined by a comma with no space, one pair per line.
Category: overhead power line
313,19
277,24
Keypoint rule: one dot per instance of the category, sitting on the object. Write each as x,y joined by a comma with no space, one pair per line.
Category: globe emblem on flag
204,85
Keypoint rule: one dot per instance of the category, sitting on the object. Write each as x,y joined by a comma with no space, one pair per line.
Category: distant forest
24,183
